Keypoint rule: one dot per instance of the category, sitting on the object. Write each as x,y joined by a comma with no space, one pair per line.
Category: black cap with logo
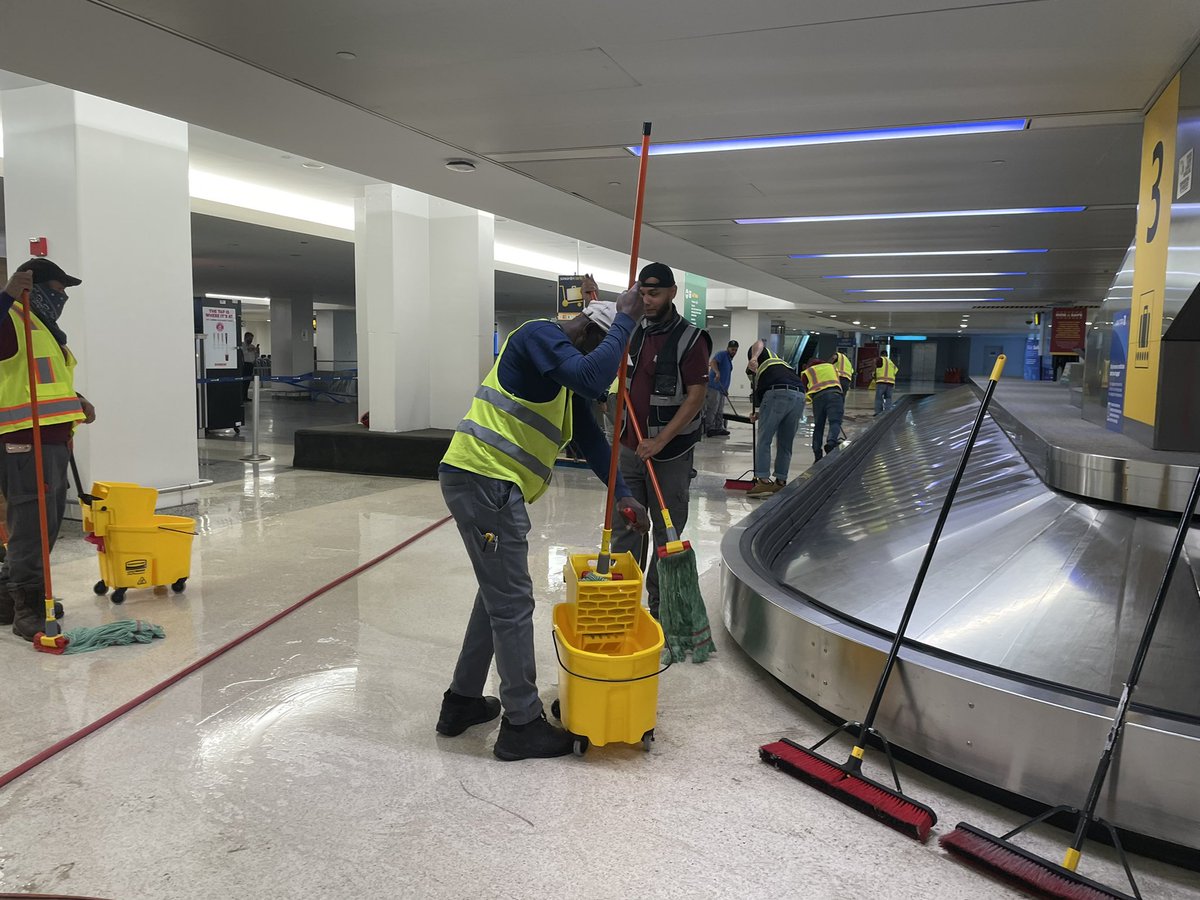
44,270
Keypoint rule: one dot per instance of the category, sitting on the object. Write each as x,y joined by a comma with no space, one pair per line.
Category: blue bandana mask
47,305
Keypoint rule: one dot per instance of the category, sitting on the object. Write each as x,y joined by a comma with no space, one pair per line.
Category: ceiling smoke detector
460,165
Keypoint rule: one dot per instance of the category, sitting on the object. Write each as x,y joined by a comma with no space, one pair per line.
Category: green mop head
681,607
114,634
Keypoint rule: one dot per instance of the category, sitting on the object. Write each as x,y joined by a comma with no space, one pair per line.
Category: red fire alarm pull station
37,247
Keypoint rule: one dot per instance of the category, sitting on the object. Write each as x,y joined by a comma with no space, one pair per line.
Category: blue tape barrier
308,382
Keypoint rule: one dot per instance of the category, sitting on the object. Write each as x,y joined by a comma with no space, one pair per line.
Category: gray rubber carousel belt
1024,631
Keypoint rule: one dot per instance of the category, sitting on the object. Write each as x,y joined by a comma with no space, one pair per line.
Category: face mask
47,303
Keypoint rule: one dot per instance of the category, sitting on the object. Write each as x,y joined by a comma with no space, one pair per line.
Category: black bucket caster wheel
178,586
118,596
579,747
648,740
59,612
556,710
100,588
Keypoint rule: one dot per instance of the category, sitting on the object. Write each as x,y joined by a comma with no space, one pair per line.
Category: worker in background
60,409
667,383
885,382
249,351
845,370
778,406
537,398
720,376
829,403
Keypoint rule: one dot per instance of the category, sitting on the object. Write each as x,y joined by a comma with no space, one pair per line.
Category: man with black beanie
43,286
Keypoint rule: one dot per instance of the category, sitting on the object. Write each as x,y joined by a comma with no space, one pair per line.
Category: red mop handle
37,444
621,372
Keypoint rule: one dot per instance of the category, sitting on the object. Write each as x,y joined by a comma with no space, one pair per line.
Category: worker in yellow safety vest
845,371
829,403
778,409
537,398
43,285
885,382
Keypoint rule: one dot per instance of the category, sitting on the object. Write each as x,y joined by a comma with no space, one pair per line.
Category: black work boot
6,604
29,610
459,713
533,740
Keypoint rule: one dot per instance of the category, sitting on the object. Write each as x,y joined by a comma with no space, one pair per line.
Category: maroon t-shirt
59,433
694,369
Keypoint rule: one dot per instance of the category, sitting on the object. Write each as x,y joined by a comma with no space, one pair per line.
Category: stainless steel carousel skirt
1024,631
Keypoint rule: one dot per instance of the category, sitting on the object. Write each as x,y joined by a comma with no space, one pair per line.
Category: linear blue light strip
908,337
930,300
936,275
721,145
931,214
904,253
924,290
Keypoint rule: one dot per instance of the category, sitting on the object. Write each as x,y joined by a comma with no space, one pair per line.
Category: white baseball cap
602,312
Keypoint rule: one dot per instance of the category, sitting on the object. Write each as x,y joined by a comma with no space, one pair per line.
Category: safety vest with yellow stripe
54,370
507,437
844,367
886,374
821,375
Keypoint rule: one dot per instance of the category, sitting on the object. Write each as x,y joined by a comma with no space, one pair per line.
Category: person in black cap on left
60,409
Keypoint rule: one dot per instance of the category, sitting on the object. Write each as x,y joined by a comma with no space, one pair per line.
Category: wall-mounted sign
1117,356
695,299
1067,330
570,296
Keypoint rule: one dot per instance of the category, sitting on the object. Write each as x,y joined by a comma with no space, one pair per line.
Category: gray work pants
883,397
18,481
829,406
714,409
675,478
494,525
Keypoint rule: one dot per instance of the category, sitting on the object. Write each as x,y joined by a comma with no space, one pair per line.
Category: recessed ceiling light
312,165
236,297
832,316
935,275
856,322
1087,323
928,290
902,253
346,55
777,141
997,162
925,214
614,184
460,165
872,327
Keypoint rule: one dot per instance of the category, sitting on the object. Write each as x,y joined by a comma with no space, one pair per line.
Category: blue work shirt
725,363
539,361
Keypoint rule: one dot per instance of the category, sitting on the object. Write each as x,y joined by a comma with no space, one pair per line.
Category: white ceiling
543,94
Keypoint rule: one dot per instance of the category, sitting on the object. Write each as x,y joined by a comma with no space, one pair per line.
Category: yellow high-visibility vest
54,368
844,367
507,437
886,374
821,375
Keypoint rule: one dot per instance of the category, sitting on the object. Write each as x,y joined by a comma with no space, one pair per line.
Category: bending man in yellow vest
828,402
535,400
885,383
22,594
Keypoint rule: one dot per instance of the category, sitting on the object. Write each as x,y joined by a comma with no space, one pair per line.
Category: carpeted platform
353,448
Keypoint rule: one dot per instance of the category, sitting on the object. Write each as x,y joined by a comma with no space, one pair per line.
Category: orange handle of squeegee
610,502
37,447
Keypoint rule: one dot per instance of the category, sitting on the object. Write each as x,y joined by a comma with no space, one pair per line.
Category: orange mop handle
658,494
37,453
604,559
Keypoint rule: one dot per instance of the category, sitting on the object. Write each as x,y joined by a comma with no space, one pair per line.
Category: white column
463,283
291,336
345,341
425,299
745,326
107,185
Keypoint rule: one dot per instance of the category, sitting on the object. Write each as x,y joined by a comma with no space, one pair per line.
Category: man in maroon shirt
667,383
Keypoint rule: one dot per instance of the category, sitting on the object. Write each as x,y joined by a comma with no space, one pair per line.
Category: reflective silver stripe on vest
46,408
45,370
522,414
505,446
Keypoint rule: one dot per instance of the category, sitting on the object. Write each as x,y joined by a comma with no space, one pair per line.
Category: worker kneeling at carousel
536,399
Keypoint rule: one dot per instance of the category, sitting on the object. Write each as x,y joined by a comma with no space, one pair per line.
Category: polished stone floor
303,763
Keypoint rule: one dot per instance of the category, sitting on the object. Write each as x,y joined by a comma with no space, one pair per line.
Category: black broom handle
86,498
933,542
1135,673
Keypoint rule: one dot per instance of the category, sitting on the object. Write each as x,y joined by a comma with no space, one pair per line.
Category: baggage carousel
1025,628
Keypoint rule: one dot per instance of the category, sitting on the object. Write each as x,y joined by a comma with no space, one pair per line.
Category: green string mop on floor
114,634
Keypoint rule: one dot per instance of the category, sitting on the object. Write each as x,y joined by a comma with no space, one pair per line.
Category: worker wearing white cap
534,401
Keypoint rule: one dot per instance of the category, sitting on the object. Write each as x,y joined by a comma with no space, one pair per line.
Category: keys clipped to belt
490,542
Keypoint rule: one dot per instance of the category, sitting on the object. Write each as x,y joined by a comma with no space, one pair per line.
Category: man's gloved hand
631,303
635,514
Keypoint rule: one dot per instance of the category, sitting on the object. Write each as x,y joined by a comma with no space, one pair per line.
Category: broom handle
604,558
857,752
672,534
1135,673
39,466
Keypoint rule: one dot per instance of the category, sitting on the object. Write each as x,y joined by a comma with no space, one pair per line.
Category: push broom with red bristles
999,856
50,639
846,781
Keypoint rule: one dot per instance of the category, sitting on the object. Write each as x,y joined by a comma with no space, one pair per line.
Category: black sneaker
459,713
533,740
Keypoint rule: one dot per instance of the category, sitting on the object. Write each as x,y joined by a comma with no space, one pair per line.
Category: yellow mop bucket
608,697
136,547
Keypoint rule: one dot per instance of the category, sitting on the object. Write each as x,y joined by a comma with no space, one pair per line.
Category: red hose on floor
66,742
